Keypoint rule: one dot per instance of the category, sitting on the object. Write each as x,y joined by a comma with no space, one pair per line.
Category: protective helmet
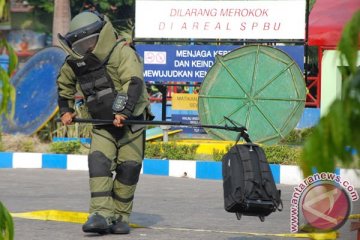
84,31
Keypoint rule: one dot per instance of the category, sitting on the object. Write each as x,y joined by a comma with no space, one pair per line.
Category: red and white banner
220,19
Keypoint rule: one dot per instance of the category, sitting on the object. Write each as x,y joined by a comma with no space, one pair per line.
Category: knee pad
128,172
99,165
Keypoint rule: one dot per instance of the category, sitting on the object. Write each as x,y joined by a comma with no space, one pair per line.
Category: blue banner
190,63
188,119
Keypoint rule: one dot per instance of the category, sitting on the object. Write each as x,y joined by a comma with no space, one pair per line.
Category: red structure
326,22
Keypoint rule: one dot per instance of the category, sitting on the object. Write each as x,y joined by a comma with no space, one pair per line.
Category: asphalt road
166,207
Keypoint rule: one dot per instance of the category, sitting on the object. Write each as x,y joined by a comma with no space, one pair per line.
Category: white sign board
220,19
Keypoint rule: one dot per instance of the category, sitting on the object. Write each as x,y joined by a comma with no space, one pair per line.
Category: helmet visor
85,45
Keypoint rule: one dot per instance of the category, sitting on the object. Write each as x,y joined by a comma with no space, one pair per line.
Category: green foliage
171,151
297,136
74,130
47,132
44,5
218,154
350,41
27,146
121,14
276,154
54,129
153,150
337,134
175,151
7,91
110,8
6,224
70,147
311,4
282,154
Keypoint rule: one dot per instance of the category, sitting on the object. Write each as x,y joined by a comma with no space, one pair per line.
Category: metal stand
165,129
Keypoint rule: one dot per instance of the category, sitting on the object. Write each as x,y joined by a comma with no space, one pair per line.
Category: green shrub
70,147
282,154
306,132
174,151
276,154
6,224
297,136
171,151
27,146
152,150
292,138
218,154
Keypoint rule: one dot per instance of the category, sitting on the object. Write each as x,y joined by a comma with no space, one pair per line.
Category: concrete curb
283,174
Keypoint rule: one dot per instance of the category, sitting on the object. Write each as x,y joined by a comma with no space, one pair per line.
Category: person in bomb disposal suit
109,75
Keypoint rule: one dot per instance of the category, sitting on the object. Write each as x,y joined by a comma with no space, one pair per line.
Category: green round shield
257,86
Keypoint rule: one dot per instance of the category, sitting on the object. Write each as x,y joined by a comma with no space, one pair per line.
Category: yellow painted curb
354,216
59,216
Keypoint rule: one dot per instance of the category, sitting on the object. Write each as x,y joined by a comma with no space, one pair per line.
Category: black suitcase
248,184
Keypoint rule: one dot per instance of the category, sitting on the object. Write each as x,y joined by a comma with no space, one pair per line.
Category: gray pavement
168,208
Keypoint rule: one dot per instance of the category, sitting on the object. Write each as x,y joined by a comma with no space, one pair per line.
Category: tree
115,10
336,139
121,13
7,91
6,224
61,20
7,95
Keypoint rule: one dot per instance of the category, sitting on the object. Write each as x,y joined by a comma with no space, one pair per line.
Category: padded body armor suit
112,67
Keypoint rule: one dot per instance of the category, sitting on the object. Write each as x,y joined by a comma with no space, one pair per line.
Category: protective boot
120,227
96,224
